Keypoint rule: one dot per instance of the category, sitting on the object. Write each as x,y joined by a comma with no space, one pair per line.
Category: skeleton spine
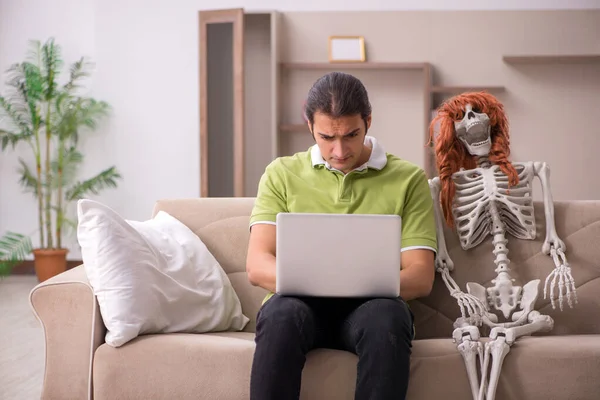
498,228
499,241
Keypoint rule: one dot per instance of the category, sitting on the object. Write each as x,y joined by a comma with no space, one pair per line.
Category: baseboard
27,267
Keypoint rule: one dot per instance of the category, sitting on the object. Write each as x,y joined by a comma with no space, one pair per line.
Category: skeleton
485,204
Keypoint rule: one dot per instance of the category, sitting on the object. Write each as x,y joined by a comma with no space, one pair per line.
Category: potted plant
48,117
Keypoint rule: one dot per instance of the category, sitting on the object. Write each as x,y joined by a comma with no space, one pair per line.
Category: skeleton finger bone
572,296
466,302
474,307
561,289
553,285
569,291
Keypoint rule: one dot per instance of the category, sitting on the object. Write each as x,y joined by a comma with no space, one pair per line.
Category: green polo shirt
386,184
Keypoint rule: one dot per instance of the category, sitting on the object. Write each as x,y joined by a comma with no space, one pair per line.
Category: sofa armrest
66,307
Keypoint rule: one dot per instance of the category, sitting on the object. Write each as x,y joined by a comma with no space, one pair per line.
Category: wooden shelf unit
356,65
238,53
461,89
551,59
253,83
252,86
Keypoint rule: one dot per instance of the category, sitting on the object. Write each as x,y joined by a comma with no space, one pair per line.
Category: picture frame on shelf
343,49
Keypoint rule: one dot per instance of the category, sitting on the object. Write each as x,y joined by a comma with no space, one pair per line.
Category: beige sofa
564,364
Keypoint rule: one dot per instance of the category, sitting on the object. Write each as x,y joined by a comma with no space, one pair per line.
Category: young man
346,171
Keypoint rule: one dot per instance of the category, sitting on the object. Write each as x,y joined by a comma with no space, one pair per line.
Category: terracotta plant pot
49,262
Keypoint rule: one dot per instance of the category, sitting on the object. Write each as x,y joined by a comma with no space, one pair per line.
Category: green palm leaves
14,248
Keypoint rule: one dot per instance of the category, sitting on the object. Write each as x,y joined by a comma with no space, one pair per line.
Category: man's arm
270,200
419,239
260,261
417,274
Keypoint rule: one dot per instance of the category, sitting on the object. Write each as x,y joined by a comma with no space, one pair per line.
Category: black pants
379,331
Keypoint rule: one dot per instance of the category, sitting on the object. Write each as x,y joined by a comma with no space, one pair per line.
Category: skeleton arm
442,259
554,246
542,171
473,306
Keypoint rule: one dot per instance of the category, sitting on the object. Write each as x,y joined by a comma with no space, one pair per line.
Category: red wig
451,154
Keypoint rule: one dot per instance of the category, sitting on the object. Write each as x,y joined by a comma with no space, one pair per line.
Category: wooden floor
21,341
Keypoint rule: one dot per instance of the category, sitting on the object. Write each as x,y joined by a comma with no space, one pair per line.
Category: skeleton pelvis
503,296
506,297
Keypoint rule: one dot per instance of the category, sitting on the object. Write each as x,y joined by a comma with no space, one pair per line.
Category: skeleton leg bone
467,340
484,368
499,346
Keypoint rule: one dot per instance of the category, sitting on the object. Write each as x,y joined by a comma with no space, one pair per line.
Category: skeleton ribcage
480,191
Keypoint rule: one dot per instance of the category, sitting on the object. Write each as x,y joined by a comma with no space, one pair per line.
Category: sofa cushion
153,276
217,366
175,366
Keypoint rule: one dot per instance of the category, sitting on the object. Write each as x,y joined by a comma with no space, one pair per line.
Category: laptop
338,255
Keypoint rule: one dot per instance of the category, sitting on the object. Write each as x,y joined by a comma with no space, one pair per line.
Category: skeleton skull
474,131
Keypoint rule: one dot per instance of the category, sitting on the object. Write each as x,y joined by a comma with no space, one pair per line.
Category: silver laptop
338,255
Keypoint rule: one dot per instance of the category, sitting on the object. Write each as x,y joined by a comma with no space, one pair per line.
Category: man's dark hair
337,94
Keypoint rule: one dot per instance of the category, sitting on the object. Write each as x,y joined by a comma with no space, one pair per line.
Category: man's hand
260,260
417,273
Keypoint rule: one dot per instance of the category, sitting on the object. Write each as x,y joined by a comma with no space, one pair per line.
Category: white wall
147,69
21,21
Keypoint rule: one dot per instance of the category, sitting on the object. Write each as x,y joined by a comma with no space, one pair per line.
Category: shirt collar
377,160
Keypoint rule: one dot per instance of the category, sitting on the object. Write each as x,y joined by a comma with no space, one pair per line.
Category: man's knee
284,314
378,317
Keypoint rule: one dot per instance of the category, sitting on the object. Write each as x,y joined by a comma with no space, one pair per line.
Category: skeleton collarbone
483,197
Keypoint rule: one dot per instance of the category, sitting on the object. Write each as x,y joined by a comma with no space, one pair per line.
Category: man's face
341,140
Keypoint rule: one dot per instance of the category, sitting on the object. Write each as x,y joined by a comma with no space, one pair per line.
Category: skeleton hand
471,308
562,272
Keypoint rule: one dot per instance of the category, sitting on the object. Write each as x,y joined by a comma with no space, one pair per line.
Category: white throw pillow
154,276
